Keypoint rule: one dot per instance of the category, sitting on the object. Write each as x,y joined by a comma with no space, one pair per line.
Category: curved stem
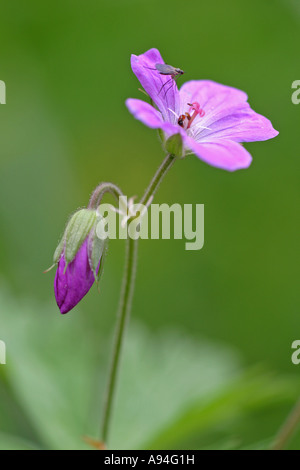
101,190
288,429
126,298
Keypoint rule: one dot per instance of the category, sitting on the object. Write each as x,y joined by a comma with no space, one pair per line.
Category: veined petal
213,97
224,154
228,115
164,95
240,125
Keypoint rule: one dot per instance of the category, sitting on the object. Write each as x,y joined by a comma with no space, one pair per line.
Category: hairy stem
101,190
126,299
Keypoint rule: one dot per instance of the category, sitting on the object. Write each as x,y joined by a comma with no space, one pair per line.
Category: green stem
158,177
288,429
123,317
101,190
126,299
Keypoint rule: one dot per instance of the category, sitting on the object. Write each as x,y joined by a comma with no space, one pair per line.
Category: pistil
186,120
197,111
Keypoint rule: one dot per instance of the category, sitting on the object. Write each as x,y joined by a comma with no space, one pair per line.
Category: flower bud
79,256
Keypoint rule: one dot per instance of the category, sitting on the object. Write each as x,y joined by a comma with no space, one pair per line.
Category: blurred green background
234,304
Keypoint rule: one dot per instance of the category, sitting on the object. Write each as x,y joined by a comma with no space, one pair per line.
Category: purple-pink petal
212,96
165,98
227,113
149,116
71,286
145,113
224,154
240,125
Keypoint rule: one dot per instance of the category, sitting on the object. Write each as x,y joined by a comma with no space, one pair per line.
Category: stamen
197,111
175,114
198,126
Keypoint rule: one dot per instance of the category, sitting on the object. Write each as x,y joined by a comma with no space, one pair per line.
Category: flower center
186,120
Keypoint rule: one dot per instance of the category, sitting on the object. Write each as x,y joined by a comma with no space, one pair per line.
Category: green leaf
8,442
173,392
53,371
225,414
161,376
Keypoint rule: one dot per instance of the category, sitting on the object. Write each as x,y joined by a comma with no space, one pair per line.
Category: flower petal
212,96
240,125
224,154
145,112
164,95
149,116
71,286
227,113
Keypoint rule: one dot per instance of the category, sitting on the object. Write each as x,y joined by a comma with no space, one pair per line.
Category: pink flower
212,118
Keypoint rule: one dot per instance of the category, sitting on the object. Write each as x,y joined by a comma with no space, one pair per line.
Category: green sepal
59,250
174,145
161,135
143,91
77,231
96,251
